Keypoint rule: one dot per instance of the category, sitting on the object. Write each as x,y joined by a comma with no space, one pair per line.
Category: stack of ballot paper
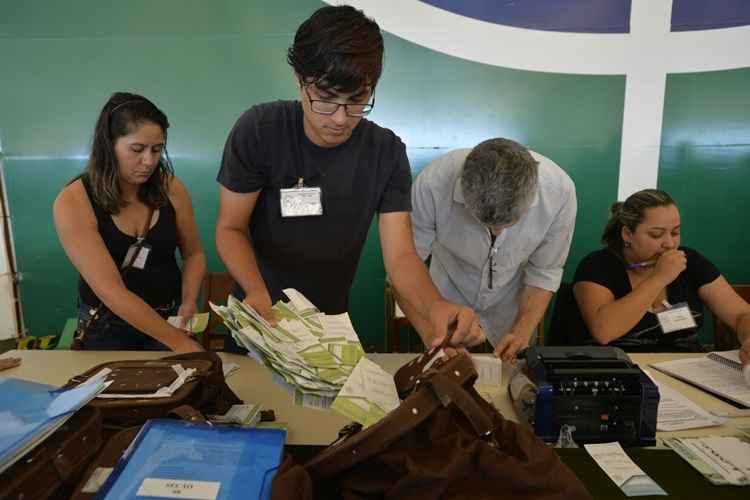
722,460
30,412
311,354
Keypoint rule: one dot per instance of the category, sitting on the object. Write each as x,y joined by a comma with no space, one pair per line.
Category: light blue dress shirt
532,252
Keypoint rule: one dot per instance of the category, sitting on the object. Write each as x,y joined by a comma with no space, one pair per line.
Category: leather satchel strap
406,377
417,408
188,414
448,390
81,334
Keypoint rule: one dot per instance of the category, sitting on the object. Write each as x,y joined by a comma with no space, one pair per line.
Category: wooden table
252,383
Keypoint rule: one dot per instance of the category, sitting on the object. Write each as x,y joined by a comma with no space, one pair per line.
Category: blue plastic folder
30,411
174,459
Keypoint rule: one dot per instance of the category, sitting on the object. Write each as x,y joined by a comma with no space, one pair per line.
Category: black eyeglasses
329,107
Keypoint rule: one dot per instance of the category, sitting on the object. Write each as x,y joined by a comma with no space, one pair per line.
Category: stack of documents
716,372
30,412
310,354
721,459
173,459
677,413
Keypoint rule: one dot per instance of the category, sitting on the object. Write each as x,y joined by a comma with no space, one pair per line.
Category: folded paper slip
173,459
196,324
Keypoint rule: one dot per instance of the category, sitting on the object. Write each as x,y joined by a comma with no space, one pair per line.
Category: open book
717,372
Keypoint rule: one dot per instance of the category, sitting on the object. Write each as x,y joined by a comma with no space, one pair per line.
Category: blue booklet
174,459
29,412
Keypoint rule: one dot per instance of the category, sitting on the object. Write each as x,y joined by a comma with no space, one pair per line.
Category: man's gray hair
499,180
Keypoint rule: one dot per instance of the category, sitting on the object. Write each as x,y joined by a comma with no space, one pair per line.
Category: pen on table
639,265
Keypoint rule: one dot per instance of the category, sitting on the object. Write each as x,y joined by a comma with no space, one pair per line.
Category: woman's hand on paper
186,313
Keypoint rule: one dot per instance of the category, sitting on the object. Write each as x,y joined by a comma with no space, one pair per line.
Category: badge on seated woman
301,201
676,317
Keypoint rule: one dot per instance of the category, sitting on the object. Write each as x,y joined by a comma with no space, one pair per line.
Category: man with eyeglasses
301,181
497,221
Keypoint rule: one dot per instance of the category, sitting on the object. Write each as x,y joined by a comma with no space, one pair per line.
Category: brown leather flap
141,376
407,376
107,458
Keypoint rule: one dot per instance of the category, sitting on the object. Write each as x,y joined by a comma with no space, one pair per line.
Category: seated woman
644,290
128,210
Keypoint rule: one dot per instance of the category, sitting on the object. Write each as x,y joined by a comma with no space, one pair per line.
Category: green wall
204,63
705,164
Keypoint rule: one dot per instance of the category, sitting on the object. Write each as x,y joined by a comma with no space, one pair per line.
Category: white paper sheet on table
622,470
677,413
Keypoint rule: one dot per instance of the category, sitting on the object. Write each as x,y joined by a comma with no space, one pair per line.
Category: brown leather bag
100,468
206,391
54,466
443,441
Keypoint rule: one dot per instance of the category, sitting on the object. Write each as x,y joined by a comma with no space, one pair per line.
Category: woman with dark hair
120,223
645,292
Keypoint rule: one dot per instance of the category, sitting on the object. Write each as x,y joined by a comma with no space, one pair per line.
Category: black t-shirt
605,268
160,282
268,150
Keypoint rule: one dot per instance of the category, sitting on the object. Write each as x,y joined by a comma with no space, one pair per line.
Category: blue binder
29,412
174,459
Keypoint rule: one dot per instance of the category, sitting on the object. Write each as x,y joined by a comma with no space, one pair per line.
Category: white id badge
301,201
139,262
676,317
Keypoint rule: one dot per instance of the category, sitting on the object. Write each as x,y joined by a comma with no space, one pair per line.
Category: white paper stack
311,354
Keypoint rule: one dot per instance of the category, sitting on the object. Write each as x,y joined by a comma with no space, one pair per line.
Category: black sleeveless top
160,282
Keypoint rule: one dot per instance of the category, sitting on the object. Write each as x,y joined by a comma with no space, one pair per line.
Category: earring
626,244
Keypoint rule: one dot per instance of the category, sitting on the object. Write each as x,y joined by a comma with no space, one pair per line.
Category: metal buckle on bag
444,399
489,438
347,431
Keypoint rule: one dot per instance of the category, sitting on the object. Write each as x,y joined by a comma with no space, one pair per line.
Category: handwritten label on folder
178,488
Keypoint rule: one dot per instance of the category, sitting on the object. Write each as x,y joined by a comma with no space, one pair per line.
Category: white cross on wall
645,55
